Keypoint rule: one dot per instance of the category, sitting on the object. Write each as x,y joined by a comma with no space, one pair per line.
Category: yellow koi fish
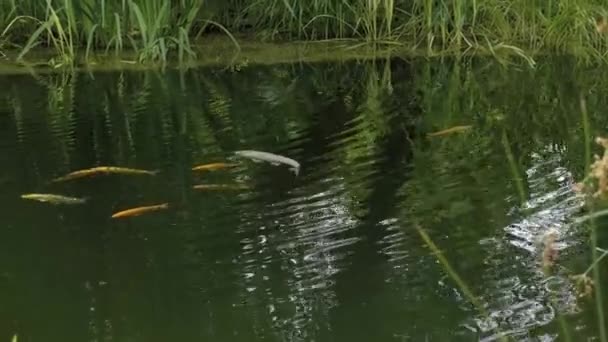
103,170
140,210
220,187
54,199
450,130
213,167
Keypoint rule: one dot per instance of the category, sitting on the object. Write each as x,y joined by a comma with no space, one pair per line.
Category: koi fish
454,129
272,158
212,167
140,210
103,170
54,199
220,187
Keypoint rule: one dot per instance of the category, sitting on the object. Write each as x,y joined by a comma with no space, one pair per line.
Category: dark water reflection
330,255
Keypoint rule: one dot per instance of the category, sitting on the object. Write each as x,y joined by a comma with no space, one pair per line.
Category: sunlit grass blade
90,37
33,40
223,29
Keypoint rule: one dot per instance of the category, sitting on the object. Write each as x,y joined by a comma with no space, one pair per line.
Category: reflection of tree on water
314,236
319,234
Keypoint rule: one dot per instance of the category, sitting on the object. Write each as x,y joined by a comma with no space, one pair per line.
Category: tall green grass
152,29
156,29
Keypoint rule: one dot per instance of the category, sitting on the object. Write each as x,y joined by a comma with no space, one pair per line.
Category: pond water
331,254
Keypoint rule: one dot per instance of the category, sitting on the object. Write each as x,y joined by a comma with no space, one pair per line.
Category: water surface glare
330,254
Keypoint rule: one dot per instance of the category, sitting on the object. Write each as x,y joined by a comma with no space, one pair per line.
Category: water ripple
518,304
309,243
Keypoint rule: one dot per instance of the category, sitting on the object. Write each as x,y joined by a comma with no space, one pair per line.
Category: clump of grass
59,34
153,29
596,183
584,283
158,29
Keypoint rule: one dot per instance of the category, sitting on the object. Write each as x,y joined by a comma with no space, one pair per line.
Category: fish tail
295,170
117,215
60,179
154,172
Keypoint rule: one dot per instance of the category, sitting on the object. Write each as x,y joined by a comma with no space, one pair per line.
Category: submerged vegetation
157,30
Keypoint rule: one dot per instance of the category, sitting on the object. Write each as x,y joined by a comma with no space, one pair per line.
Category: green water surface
332,254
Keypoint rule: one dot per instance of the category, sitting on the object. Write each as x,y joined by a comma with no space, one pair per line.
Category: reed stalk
594,239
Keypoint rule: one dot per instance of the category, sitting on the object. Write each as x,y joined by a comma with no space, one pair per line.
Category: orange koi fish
220,187
103,170
213,167
140,210
450,130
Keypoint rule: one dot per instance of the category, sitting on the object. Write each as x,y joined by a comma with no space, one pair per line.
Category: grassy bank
213,50
155,30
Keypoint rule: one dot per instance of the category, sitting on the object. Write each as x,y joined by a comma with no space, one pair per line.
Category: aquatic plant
596,183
